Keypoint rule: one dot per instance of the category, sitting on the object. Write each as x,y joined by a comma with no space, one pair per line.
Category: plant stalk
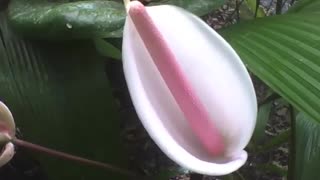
279,7
292,148
65,156
272,97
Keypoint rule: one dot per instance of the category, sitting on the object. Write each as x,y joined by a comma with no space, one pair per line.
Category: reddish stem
62,155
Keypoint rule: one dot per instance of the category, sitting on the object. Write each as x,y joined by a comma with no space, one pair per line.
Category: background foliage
59,90
60,98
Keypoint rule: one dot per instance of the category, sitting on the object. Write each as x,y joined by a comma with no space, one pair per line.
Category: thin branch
62,155
279,7
230,17
238,4
240,175
269,7
257,8
272,97
284,3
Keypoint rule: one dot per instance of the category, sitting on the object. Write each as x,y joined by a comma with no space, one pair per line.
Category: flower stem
62,155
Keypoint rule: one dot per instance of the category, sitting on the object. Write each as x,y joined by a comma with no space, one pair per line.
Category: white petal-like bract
6,154
6,120
7,131
218,77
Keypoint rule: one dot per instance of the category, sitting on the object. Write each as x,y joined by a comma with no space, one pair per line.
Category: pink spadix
182,91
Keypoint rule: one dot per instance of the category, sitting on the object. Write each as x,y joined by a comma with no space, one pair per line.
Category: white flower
7,131
190,89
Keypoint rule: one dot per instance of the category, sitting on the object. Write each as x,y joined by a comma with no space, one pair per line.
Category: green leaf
67,20
262,119
283,51
306,6
61,99
307,144
107,49
199,7
59,20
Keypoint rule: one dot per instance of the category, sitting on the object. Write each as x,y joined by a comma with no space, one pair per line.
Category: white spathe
7,131
216,73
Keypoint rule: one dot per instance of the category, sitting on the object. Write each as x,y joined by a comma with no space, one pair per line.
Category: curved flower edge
158,131
7,123
7,131
6,154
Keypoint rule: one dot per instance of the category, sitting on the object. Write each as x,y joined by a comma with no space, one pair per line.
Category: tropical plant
52,69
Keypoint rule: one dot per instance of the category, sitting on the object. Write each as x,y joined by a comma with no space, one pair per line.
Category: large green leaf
262,119
44,19
107,49
60,98
284,51
306,6
307,148
83,19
